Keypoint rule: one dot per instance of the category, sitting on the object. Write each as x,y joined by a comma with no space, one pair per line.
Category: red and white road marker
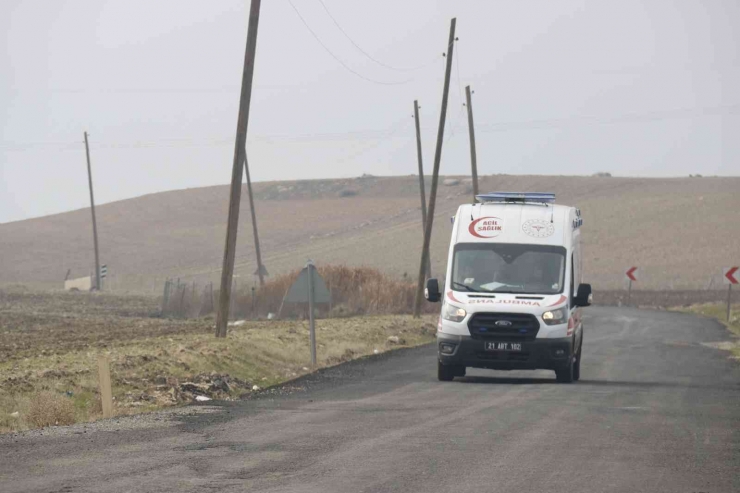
730,276
631,276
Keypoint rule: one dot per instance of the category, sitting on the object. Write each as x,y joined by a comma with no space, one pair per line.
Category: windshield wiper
454,283
507,290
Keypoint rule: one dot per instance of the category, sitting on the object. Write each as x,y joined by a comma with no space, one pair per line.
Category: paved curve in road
655,411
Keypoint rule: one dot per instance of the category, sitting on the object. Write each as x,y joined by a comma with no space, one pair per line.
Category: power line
454,126
347,67
411,69
359,135
398,126
650,116
356,135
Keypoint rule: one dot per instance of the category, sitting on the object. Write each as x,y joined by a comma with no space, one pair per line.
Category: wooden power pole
435,174
92,208
227,270
260,268
471,131
421,181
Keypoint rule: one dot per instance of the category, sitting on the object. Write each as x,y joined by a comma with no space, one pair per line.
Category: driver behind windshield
509,268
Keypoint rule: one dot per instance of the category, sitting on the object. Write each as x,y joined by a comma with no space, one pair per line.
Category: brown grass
355,291
50,409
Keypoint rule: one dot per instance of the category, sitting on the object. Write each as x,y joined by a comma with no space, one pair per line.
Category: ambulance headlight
555,317
453,313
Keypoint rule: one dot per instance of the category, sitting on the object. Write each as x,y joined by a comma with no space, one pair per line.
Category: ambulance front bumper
536,354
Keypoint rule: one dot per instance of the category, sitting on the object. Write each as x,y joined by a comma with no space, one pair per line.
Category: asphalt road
655,411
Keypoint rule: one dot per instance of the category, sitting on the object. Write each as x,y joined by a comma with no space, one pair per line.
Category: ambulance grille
494,326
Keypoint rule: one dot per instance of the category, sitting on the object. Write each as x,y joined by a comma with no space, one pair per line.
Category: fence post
166,296
180,310
106,394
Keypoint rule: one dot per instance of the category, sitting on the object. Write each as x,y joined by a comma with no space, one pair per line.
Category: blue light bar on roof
521,197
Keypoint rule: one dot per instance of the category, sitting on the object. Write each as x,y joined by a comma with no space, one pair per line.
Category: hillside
679,231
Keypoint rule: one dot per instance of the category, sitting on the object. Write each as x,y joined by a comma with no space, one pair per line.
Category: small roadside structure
79,284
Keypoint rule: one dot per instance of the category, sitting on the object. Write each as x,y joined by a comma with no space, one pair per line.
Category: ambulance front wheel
566,374
577,366
445,373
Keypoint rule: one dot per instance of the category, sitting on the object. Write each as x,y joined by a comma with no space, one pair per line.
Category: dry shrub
355,291
185,300
50,409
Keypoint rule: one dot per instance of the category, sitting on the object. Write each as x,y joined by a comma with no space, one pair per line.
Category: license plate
503,346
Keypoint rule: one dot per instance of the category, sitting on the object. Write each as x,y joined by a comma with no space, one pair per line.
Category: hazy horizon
637,89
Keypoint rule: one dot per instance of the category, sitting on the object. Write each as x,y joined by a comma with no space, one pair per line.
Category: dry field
49,343
679,231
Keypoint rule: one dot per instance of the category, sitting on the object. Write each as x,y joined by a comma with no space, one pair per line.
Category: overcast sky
636,88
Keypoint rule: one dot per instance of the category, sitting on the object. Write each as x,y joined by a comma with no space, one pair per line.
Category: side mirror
584,296
431,293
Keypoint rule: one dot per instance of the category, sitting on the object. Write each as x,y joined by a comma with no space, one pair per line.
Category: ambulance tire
577,367
566,373
446,373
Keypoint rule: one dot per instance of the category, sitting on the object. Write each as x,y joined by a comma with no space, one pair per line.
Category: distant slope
679,231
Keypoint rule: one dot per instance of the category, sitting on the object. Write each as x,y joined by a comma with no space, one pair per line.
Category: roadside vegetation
719,312
354,291
49,344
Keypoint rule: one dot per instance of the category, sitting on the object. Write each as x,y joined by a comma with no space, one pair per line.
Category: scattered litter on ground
396,340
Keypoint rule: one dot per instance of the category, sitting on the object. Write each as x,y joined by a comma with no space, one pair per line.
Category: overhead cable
341,62
410,69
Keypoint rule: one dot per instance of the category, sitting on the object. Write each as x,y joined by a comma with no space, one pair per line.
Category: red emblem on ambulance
486,227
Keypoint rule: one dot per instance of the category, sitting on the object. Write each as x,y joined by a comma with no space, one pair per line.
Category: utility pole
421,180
471,131
260,269
435,174
227,270
92,208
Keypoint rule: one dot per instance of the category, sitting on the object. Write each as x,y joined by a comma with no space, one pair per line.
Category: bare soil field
49,343
678,231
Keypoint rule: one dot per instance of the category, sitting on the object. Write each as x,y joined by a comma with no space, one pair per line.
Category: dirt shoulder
718,311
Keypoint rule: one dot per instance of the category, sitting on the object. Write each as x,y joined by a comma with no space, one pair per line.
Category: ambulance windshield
508,268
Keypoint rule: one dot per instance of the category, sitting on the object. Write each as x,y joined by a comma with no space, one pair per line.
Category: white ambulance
514,294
